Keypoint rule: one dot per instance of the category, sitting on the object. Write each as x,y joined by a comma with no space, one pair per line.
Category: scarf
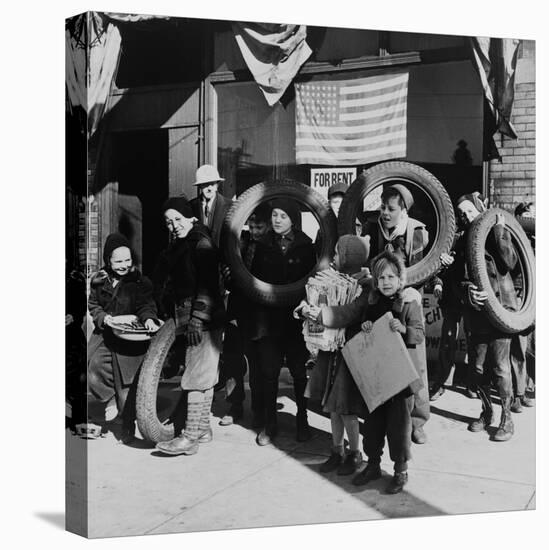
398,231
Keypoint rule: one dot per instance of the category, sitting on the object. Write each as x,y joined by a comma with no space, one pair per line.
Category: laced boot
506,428
487,413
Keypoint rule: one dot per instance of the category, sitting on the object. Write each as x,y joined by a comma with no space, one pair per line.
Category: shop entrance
140,164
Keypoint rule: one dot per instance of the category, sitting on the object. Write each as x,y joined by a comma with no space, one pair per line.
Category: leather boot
506,428
516,407
187,442
487,413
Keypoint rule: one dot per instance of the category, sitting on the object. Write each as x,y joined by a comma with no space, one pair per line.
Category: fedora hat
207,174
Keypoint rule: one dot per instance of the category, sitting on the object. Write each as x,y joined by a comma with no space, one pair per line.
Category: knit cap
290,207
114,241
340,188
476,198
353,253
404,193
181,204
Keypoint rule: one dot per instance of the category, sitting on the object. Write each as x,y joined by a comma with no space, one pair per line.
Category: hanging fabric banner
349,122
495,60
273,53
93,50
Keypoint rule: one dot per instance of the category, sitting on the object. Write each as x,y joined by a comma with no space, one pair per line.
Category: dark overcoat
133,295
272,266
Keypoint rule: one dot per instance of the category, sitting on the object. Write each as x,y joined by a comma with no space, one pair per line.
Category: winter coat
331,381
186,279
409,247
215,218
272,266
501,259
133,295
406,307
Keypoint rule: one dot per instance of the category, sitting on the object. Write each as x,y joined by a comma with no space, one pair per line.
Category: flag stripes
351,122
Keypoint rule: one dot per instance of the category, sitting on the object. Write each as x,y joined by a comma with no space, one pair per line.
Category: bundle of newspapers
331,288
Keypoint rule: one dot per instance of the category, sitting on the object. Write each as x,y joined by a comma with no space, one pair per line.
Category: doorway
140,164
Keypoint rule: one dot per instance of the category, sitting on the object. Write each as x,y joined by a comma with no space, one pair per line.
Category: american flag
342,122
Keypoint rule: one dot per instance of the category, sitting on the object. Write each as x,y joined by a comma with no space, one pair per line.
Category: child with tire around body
239,347
283,256
331,381
118,291
186,281
490,347
393,419
407,238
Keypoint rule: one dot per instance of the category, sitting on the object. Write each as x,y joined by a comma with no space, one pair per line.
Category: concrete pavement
233,483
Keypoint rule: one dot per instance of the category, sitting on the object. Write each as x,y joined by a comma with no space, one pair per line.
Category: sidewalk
233,483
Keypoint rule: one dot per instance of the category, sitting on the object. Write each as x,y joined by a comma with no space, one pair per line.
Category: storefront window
444,131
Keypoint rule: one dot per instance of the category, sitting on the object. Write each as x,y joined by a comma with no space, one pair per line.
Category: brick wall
513,179
93,256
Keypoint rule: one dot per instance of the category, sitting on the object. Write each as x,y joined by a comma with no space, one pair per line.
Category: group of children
119,289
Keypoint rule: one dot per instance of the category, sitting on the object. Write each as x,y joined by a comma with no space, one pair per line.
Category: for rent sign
323,178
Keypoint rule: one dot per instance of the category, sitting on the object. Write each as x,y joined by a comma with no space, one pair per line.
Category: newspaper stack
328,287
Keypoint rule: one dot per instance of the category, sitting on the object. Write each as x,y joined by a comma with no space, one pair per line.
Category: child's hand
312,313
367,326
437,291
446,259
397,326
68,319
194,332
299,311
151,325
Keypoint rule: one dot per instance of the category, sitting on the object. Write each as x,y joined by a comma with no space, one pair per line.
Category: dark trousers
448,348
255,379
105,381
392,420
272,350
491,362
234,364
519,344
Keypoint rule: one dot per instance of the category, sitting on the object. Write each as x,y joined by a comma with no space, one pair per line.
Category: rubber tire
405,172
255,289
148,422
510,322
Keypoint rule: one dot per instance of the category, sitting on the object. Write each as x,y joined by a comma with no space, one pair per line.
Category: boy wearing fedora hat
210,207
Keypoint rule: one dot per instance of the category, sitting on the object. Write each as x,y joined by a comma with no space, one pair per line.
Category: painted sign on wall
433,325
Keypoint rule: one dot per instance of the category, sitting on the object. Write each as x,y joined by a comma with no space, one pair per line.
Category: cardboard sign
433,325
323,178
379,363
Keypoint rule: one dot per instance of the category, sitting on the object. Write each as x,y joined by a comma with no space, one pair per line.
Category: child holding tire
118,289
490,346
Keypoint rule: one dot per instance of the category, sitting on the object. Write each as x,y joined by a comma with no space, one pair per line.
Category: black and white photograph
299,279
301,268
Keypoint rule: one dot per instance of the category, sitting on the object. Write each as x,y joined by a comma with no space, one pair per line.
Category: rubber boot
487,413
506,428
